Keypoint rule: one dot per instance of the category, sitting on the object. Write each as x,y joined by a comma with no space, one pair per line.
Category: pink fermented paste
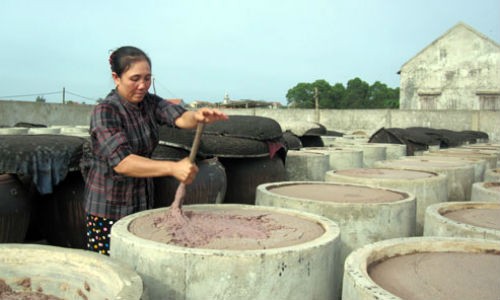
233,229
440,275
489,218
338,193
7,293
385,173
423,162
495,186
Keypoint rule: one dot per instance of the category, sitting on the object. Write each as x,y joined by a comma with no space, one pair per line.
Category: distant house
247,103
199,104
458,71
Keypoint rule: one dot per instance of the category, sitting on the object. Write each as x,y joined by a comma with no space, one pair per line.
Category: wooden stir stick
176,207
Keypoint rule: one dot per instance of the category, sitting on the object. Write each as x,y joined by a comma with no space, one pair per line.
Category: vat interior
386,173
482,215
227,228
64,276
492,185
338,193
435,273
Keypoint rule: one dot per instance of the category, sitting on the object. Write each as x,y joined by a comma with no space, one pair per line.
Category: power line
84,97
48,93
162,86
31,95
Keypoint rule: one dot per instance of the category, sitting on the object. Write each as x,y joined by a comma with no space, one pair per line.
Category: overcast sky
202,49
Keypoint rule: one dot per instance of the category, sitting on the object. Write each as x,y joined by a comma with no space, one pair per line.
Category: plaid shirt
119,128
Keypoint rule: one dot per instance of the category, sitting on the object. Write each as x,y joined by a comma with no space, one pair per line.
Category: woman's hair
122,58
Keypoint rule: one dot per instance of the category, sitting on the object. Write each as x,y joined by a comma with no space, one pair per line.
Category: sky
204,49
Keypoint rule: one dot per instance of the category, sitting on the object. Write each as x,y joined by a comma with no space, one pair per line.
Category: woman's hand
208,115
185,171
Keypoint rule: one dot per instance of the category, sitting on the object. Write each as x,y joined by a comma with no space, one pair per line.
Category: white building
458,71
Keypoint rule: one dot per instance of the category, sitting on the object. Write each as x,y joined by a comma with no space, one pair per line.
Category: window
489,100
428,99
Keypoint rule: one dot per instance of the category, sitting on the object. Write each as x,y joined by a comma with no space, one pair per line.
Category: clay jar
15,208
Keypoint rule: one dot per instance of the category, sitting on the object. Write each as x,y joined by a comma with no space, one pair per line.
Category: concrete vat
365,214
423,268
13,130
492,175
67,273
296,261
486,191
480,165
489,157
44,130
340,158
371,152
460,175
428,187
481,149
463,219
303,165
393,151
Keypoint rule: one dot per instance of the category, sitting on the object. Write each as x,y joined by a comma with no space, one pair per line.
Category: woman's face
134,83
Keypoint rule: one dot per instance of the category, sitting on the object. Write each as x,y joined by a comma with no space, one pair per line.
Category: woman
124,133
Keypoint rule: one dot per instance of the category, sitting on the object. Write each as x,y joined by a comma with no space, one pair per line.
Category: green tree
301,96
356,94
337,94
40,99
393,102
324,93
382,96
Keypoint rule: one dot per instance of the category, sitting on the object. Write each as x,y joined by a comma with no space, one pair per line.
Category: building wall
12,112
457,71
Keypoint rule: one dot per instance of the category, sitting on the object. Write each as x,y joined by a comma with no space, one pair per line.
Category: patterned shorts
98,230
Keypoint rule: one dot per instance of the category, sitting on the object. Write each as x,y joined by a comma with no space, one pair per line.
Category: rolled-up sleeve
166,113
109,140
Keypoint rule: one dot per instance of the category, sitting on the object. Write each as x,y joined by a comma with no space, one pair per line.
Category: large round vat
421,268
393,151
13,130
241,252
489,157
365,214
303,165
480,165
340,158
371,152
486,191
66,273
481,149
492,175
44,130
428,187
79,131
463,219
15,209
460,175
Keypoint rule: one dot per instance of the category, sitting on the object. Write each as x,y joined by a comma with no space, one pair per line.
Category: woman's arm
185,171
139,166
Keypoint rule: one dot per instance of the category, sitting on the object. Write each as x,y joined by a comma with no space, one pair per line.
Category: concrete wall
459,70
12,112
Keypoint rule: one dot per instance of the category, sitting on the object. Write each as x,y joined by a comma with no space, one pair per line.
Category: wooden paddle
176,207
